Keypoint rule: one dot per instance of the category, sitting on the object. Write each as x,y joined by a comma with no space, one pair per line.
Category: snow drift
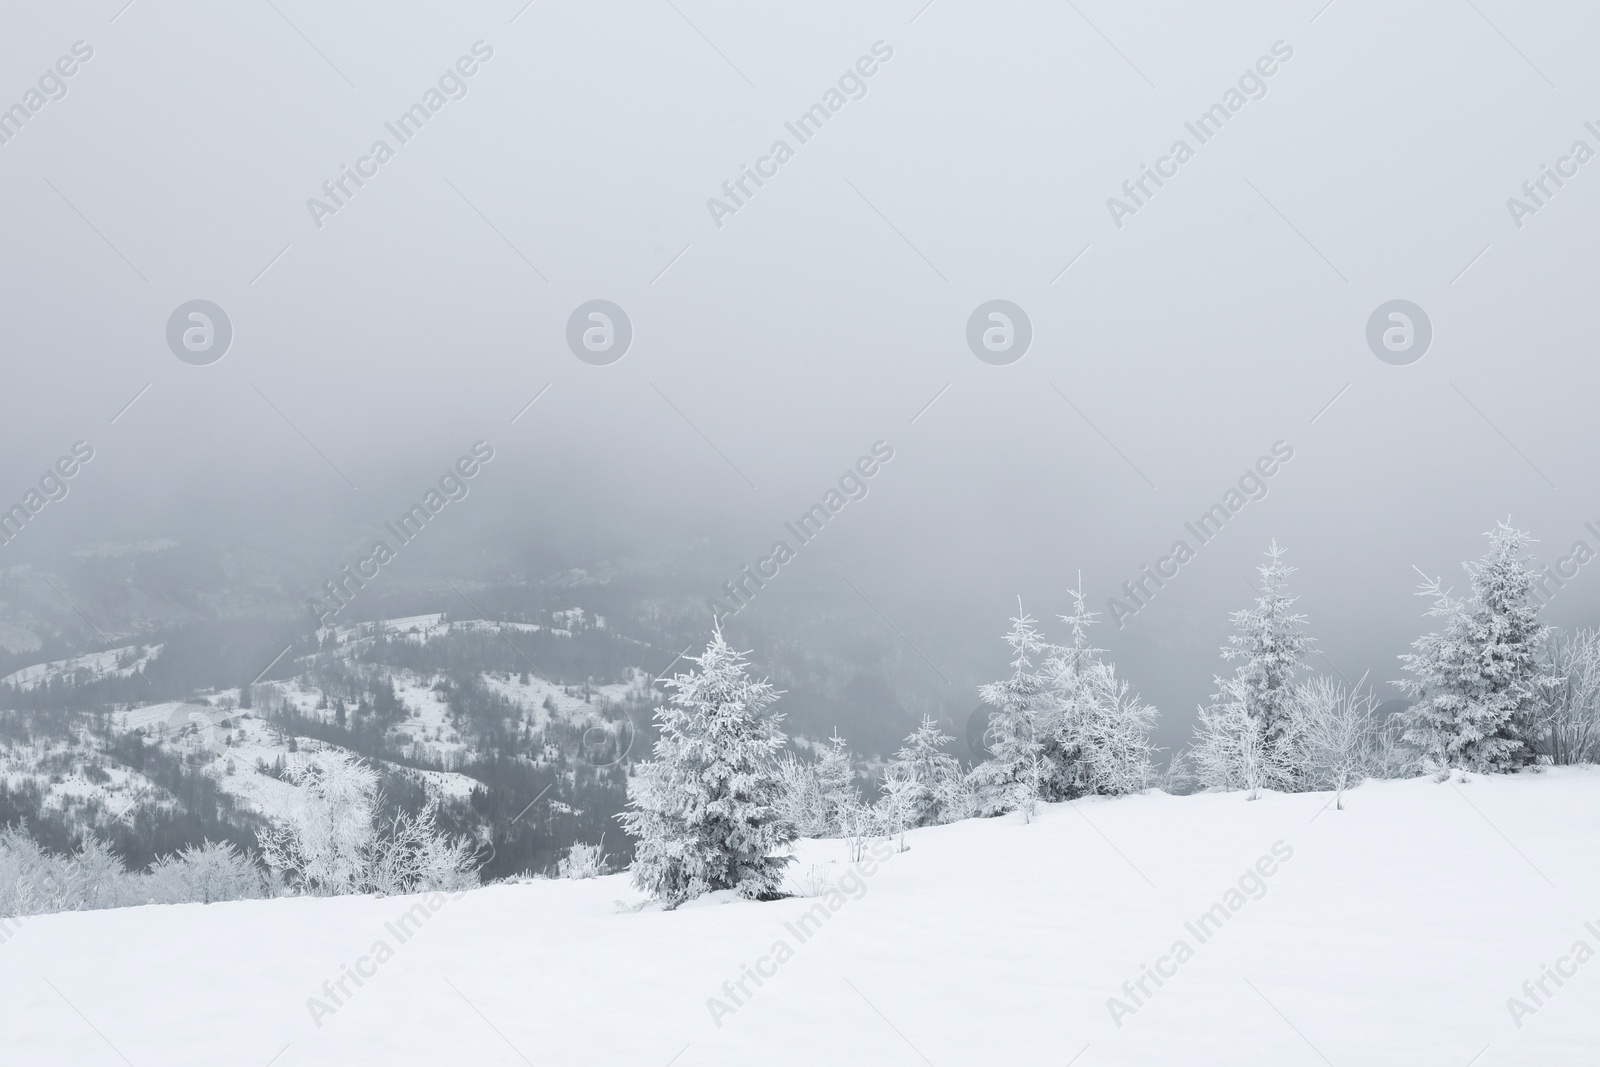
1425,923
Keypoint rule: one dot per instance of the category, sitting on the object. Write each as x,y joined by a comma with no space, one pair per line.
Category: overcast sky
1172,345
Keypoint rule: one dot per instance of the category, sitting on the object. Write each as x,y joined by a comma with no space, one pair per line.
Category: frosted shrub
1178,778
204,875
323,845
582,861
1231,750
412,856
1339,740
32,881
897,805
331,843
813,883
1569,715
858,823
35,882
97,879
801,800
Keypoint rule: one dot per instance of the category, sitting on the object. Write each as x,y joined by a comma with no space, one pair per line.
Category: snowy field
1392,932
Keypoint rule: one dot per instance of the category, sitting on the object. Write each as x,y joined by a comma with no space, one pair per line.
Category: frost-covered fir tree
1271,645
935,793
1102,728
1246,736
836,782
706,810
1477,683
1108,734
1016,775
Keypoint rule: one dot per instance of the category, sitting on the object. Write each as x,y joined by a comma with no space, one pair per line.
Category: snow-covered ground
1392,932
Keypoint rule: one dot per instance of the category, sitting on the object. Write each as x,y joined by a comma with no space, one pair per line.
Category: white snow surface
1394,934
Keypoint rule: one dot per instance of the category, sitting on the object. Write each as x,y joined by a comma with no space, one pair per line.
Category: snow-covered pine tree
1271,644
1016,775
1477,683
836,782
1102,728
706,809
935,795
1109,734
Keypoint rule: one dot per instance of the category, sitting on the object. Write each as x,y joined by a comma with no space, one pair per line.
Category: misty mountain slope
1415,912
111,663
449,711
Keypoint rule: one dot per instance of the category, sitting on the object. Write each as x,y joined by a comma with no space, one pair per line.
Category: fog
781,333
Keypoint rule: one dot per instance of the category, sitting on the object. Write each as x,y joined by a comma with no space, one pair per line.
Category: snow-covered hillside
1392,932
112,663
122,743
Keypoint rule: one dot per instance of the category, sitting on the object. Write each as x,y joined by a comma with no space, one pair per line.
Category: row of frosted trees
1492,689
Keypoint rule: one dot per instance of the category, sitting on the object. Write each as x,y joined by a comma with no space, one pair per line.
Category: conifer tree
934,792
1247,735
706,809
1101,727
1271,644
1477,683
836,778
1015,775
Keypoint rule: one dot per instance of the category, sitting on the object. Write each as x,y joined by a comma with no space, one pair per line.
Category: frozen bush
412,856
1232,750
324,844
582,861
1338,737
1569,715
331,843
203,874
34,882
813,883
800,799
